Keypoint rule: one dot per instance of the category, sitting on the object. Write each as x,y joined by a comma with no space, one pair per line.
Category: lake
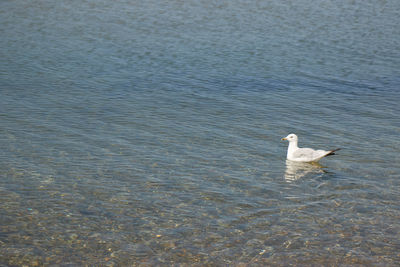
142,133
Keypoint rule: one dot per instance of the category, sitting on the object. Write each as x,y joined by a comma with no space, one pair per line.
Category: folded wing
308,154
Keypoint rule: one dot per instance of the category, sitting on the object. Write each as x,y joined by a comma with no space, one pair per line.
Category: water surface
149,133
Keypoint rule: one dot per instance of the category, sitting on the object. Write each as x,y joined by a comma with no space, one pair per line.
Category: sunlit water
148,132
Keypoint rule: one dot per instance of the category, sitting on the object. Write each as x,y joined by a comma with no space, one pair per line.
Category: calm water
148,132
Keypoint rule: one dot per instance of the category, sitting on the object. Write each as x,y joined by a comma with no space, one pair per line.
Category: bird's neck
292,147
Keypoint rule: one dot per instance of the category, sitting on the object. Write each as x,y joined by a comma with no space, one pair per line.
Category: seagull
295,153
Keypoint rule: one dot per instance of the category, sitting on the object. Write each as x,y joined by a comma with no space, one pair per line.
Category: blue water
148,133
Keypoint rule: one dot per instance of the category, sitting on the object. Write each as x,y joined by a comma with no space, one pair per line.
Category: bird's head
290,138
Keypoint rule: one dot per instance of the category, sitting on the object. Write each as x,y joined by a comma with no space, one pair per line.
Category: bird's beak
284,138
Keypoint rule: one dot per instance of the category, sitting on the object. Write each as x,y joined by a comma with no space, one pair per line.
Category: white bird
294,153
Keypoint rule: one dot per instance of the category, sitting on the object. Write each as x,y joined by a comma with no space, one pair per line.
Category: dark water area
147,133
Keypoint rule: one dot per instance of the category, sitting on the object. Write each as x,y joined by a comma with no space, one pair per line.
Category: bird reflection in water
297,170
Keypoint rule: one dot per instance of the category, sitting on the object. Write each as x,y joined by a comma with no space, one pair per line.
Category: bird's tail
332,152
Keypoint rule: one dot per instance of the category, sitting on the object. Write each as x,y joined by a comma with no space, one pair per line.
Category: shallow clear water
149,133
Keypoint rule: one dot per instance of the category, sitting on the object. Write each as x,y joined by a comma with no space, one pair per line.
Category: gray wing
309,154
303,153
